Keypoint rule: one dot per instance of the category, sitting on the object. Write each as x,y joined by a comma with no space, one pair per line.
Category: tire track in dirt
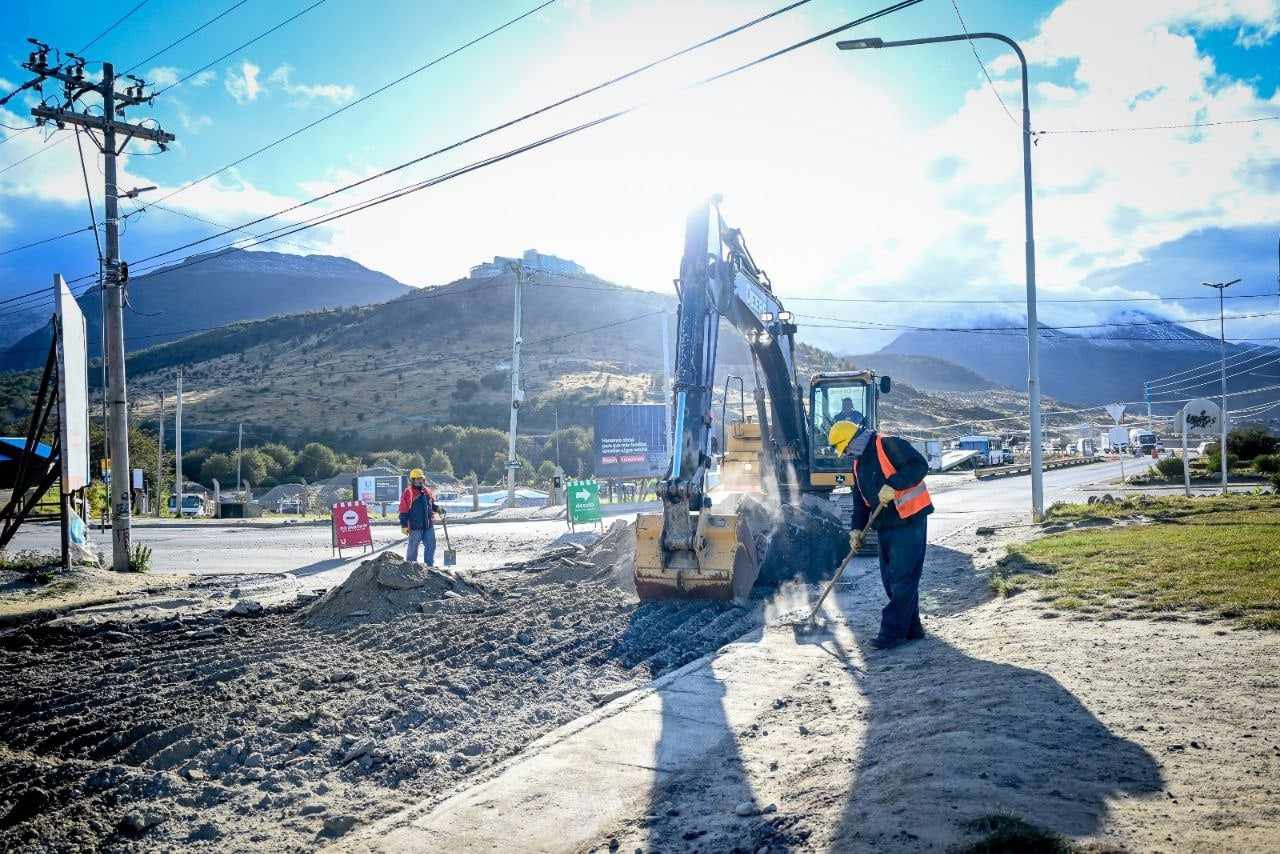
265,734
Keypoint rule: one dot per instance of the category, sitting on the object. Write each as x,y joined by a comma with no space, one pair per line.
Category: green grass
37,566
1216,557
1007,834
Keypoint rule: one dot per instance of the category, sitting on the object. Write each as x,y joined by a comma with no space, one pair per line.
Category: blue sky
886,173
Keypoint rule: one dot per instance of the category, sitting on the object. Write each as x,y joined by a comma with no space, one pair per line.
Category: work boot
916,632
886,643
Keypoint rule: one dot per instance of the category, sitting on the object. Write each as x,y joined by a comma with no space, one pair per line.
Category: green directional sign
584,501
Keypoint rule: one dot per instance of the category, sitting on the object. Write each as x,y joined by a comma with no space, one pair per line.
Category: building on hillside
533,259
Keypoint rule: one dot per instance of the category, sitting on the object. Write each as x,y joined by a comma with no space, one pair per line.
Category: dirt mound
608,560
387,587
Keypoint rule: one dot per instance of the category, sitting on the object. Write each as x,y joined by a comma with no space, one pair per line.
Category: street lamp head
860,44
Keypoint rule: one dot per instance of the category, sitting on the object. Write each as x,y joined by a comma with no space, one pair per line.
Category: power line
239,48
1020,300
1199,368
35,153
117,23
489,161
1237,360
973,47
361,99
874,325
35,243
183,38
1188,125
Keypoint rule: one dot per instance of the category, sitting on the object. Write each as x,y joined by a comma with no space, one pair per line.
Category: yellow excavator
696,548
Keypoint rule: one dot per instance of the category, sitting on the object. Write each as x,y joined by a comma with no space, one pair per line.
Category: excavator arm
691,549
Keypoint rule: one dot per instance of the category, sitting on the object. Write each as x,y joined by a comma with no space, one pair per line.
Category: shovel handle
445,526
845,564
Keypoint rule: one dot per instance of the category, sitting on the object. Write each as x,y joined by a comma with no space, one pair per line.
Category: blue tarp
11,447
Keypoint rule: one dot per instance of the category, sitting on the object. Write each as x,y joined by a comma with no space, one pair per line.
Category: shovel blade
450,557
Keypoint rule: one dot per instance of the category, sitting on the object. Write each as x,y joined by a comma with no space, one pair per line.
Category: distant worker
417,507
889,470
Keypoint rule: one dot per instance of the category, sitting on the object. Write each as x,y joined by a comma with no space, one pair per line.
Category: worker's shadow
945,737
697,741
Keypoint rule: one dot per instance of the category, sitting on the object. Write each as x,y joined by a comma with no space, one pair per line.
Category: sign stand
349,527
1199,418
583,498
1116,411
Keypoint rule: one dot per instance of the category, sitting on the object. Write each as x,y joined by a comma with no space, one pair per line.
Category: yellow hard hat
417,474
841,434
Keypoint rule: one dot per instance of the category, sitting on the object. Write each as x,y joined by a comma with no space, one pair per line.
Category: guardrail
1025,468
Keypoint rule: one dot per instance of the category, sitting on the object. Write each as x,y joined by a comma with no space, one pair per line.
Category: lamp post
1221,287
1033,347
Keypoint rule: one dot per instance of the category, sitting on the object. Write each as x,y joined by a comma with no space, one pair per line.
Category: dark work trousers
901,563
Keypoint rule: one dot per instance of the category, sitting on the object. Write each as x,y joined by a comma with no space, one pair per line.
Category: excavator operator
889,471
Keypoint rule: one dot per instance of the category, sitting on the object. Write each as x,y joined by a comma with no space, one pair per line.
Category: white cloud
162,75
1054,92
243,86
304,93
203,78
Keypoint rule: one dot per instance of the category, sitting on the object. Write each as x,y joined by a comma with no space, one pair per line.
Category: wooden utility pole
160,456
115,135
517,395
177,450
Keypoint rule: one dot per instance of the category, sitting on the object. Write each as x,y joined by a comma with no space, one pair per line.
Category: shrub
1267,464
1250,441
140,558
1213,461
1170,468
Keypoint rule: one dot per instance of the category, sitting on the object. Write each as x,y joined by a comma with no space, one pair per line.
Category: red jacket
416,508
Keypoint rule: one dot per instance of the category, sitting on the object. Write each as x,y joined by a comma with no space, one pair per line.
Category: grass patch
38,567
1007,834
1216,556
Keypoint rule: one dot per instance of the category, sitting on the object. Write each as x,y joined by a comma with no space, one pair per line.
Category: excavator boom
694,550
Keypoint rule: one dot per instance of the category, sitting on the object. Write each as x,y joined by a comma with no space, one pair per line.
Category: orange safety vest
907,502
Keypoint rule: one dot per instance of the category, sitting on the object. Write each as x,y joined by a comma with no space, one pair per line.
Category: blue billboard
631,440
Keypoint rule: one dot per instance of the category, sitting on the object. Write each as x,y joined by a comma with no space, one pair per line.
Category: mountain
925,372
1108,364
369,377
219,288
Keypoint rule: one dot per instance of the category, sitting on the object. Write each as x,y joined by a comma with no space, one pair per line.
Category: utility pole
177,450
1221,288
239,453
160,457
1146,394
76,85
517,396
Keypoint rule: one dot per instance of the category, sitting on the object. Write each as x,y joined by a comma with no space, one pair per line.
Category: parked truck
1115,441
1086,447
1142,442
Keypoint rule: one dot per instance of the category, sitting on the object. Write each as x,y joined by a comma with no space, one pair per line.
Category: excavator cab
839,396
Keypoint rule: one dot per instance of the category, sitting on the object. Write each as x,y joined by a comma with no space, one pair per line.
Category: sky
869,175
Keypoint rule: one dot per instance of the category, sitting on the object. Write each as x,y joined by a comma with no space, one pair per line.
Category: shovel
450,556
811,624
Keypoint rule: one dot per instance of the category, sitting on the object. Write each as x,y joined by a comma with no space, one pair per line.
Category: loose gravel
261,732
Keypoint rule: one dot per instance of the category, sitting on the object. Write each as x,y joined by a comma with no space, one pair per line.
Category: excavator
697,548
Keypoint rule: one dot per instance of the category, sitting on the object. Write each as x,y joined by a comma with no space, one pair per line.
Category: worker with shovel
417,507
890,493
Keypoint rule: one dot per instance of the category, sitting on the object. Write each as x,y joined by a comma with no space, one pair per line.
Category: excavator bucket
722,565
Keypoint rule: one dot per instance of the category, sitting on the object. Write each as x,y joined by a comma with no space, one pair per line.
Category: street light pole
1033,344
1221,288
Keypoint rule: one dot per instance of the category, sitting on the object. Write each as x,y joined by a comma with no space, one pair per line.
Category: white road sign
1201,418
73,388
1116,411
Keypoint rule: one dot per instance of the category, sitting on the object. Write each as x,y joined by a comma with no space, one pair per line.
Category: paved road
303,550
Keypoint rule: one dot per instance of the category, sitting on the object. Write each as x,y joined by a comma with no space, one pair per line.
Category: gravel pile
386,588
